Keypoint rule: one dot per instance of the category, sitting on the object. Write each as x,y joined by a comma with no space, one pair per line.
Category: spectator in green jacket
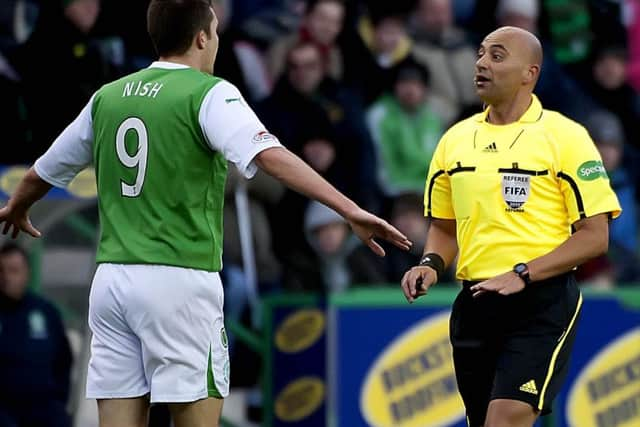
405,125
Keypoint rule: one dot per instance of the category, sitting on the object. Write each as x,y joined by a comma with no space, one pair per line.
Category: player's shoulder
224,90
224,85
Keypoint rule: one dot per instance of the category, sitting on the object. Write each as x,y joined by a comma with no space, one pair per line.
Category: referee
519,193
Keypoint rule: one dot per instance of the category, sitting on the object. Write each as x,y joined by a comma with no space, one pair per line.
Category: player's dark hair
172,24
11,247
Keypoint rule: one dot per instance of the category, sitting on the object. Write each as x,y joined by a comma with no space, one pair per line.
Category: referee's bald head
526,42
509,61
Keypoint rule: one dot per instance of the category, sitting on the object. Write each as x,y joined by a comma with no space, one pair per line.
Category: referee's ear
531,74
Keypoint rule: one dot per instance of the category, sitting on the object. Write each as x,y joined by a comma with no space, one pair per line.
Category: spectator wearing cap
339,259
316,119
406,126
317,145
606,130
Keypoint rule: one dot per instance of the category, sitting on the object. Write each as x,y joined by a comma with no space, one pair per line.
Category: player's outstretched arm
297,175
15,215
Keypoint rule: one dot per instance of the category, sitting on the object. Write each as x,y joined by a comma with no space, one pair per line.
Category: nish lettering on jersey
141,89
515,190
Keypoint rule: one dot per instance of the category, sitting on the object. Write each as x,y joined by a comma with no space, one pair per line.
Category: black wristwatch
522,270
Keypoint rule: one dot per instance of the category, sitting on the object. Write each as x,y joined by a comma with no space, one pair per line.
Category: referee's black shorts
514,347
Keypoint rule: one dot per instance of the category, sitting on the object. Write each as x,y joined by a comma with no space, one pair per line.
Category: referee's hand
504,284
417,281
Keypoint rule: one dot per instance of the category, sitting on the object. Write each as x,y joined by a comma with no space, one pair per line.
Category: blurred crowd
362,90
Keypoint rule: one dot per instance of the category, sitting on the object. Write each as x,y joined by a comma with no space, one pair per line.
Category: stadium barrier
365,358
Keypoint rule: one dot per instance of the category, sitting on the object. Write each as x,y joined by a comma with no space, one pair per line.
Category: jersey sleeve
437,194
583,180
232,128
70,153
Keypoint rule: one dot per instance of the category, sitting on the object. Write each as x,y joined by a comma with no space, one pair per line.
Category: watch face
520,268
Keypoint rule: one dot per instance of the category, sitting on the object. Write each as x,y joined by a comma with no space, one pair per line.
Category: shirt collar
532,115
167,65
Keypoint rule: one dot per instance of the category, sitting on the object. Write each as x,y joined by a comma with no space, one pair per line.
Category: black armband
434,261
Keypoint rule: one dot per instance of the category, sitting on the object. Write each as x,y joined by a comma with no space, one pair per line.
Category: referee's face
502,66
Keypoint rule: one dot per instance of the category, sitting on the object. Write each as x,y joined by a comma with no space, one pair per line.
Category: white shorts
159,330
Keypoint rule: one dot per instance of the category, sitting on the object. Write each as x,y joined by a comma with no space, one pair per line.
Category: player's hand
18,220
417,281
504,284
367,226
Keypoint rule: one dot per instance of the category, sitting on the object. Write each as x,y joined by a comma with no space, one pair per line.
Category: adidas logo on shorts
529,387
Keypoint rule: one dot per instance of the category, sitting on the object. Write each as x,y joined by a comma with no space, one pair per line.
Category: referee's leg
535,354
475,354
510,413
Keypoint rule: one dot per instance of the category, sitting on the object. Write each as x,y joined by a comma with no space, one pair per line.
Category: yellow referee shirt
514,190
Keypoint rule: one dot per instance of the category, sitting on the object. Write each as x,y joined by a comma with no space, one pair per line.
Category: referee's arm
590,240
441,240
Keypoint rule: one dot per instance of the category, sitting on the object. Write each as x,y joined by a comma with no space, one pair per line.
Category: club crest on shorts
515,189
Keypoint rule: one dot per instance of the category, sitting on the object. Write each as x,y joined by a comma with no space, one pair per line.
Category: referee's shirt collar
532,115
